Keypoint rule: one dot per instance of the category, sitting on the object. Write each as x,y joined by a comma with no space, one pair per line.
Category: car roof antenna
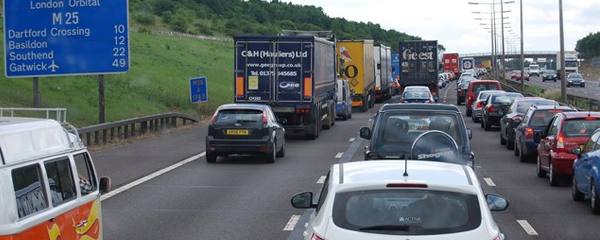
405,175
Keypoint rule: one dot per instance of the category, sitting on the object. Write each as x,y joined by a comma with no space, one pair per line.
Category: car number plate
237,132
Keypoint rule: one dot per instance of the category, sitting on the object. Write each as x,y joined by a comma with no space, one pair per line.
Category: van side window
87,178
60,179
29,190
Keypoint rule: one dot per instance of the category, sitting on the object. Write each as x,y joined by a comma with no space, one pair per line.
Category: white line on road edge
528,228
292,223
351,140
321,180
339,155
150,177
489,182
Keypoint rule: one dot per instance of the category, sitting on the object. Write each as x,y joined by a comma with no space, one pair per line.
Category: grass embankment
157,82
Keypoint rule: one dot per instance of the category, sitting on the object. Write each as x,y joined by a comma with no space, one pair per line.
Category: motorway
591,89
164,189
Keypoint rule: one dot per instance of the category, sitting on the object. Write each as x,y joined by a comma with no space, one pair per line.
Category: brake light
499,237
214,118
264,118
491,109
590,118
406,185
479,105
560,142
529,133
316,237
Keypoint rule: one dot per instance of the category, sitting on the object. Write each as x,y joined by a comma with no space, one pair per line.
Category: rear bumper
563,163
494,120
238,146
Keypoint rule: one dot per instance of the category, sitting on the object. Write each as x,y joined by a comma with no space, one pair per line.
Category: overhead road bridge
509,55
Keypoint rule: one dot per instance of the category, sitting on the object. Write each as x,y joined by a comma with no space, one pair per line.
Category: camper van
48,184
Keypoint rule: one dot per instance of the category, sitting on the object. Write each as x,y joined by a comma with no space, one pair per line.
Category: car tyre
281,152
502,140
211,157
582,85
522,156
486,125
577,195
594,198
552,176
515,149
540,172
481,123
271,156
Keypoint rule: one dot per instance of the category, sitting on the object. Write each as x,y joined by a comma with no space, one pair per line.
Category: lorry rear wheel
332,112
365,106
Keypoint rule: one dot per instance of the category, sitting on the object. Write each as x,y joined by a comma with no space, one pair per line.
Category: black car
514,114
575,79
461,91
549,75
245,129
494,108
395,127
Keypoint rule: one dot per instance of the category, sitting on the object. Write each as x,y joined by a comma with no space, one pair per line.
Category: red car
566,130
516,75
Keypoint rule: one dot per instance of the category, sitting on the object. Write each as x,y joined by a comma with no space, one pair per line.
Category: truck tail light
239,86
307,87
529,133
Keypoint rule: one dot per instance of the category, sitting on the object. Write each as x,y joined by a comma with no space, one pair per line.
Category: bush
145,19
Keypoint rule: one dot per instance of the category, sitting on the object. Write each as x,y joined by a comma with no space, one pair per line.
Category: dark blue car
536,119
586,175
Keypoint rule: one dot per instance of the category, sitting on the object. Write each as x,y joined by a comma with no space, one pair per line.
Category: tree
589,46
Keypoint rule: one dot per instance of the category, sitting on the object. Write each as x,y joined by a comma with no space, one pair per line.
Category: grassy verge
158,82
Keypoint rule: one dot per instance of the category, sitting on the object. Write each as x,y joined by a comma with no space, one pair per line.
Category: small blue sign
65,37
198,90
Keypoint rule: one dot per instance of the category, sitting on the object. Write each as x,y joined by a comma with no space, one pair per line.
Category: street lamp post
522,49
563,75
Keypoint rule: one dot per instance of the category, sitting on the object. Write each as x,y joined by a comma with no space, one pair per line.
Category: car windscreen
580,127
396,131
241,116
542,117
522,106
406,211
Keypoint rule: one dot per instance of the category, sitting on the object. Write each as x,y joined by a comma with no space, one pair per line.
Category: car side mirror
303,200
105,185
496,202
365,133
470,133
577,151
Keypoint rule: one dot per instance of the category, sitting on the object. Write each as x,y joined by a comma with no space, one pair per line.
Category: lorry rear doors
273,71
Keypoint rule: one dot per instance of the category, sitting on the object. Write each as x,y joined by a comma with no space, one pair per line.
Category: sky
453,23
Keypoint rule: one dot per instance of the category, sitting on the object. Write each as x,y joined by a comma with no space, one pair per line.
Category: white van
534,69
48,184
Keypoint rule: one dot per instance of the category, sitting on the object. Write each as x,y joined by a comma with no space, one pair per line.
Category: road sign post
60,37
198,90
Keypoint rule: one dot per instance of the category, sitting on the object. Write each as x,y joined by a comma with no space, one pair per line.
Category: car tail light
515,118
590,118
499,237
479,105
214,118
529,133
560,142
316,237
264,118
491,109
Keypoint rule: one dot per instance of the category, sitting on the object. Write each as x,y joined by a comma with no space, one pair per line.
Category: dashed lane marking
489,182
527,227
339,155
321,180
292,223
151,176
351,140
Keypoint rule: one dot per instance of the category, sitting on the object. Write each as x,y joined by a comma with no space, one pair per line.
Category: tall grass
158,82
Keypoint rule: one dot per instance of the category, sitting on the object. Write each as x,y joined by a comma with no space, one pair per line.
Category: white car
373,200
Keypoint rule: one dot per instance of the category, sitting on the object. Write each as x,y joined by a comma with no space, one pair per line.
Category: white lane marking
339,155
527,227
351,140
292,223
150,177
321,180
489,182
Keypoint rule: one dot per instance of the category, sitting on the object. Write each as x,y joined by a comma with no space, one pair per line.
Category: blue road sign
65,37
198,90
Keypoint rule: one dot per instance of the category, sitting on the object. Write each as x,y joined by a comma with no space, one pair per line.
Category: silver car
478,105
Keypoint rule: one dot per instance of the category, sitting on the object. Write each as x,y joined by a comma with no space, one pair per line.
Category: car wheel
568,85
271,156
281,152
502,140
515,149
552,176
577,195
582,85
540,172
481,123
211,157
554,80
313,133
522,156
349,115
594,198
486,125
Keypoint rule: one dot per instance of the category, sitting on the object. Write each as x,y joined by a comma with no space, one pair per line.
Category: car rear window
478,87
406,211
417,94
246,116
522,106
580,127
542,117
